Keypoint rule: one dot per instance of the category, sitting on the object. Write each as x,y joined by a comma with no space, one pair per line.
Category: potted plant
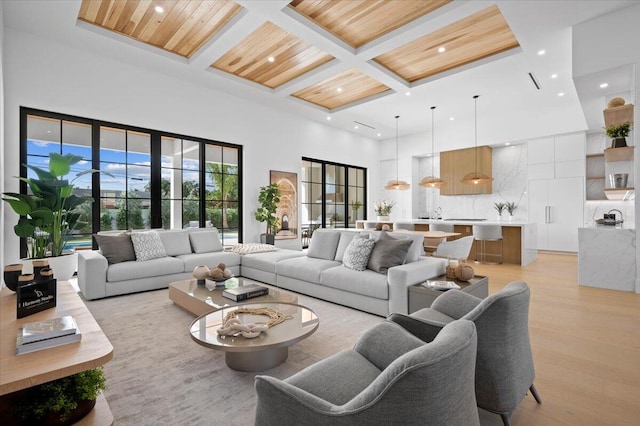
499,208
511,207
355,206
269,197
62,401
48,215
618,134
383,209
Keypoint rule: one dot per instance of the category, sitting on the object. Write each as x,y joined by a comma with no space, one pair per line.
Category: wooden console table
24,371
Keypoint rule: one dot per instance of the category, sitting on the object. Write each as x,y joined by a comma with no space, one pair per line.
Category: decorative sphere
227,273
216,274
615,102
464,272
200,272
221,266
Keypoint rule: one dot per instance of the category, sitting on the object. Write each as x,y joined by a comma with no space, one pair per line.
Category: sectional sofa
319,272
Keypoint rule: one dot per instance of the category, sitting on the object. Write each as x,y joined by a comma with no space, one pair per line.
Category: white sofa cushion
175,242
267,261
147,246
367,283
324,244
304,268
149,268
205,241
210,259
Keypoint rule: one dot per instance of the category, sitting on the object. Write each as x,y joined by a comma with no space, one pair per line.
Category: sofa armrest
92,274
401,277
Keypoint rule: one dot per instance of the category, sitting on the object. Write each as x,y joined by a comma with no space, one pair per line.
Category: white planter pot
63,266
383,218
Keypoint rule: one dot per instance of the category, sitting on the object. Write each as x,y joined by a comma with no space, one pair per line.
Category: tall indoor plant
269,197
48,213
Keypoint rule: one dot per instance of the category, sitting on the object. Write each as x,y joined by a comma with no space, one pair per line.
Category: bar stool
482,234
443,227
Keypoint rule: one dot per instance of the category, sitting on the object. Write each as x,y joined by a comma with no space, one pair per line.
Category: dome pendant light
397,184
432,181
475,178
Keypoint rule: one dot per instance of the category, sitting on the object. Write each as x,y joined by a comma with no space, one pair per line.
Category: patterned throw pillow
147,245
356,256
250,248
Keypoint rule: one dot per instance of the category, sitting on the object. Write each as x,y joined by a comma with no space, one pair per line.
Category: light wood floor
585,343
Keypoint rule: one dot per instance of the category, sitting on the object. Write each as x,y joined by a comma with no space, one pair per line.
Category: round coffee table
266,351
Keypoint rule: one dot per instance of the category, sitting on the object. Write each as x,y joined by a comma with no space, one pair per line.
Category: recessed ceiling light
271,59
451,118
603,85
328,118
408,93
561,94
554,75
356,126
507,144
159,9
541,52
48,131
379,134
442,49
339,89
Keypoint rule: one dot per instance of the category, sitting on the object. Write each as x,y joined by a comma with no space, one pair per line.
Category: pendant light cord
397,173
433,170
475,117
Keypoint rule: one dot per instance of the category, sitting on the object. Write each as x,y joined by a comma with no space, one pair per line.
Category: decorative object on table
11,274
287,206
245,292
500,207
201,273
397,184
383,209
48,215
35,296
618,134
450,269
39,265
268,197
464,271
45,274
47,329
220,273
385,227
511,207
63,401
615,102
231,324
441,285
25,348
618,180
475,178
432,181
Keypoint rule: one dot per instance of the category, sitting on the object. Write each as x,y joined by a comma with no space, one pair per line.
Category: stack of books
245,292
35,336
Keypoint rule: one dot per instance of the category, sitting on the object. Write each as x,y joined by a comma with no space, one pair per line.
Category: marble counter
607,257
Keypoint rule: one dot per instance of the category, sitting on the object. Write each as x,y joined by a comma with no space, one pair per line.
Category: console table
24,371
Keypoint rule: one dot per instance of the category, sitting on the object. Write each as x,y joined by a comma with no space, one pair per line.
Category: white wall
2,147
41,73
606,42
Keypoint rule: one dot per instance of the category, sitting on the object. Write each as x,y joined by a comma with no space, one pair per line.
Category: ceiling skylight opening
604,85
561,94
442,49
554,75
339,90
159,9
541,52
271,59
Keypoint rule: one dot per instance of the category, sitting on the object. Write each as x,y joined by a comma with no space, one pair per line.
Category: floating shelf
598,154
618,115
595,177
620,194
618,154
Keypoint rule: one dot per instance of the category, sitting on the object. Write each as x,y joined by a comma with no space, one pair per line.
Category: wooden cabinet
455,164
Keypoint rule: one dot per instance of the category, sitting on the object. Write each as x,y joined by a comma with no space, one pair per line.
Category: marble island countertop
504,222
611,227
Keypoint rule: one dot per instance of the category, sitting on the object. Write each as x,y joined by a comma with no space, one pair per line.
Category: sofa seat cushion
367,283
267,261
333,378
149,268
304,268
209,259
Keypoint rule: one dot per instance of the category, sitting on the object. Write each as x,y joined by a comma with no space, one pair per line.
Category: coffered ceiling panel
357,22
345,88
475,37
180,27
271,56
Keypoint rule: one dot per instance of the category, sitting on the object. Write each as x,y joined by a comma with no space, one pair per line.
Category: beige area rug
159,376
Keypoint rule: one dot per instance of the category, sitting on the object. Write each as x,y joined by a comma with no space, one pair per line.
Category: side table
422,297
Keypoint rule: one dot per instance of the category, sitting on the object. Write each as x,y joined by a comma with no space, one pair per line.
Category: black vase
11,274
618,142
38,266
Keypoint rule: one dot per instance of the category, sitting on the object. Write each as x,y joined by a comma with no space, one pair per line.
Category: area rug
159,376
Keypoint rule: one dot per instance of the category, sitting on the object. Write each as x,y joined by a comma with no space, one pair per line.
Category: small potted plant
383,209
269,197
618,134
499,208
63,401
355,206
511,207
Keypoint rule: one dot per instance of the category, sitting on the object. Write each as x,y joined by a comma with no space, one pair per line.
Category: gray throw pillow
116,248
356,256
147,245
388,252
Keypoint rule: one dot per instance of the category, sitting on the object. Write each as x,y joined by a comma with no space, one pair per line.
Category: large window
151,179
333,195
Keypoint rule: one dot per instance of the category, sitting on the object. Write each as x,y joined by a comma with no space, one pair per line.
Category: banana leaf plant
48,215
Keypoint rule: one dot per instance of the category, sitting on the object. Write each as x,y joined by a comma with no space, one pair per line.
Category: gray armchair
390,377
504,365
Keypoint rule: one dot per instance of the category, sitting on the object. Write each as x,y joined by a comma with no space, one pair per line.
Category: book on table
440,285
25,348
245,292
47,329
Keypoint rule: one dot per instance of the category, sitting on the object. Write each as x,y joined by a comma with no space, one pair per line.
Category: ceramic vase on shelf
383,218
11,274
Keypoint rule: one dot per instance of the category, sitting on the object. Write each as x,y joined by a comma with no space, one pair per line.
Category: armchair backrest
504,365
456,249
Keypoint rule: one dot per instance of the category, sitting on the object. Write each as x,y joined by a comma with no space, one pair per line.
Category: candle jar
450,269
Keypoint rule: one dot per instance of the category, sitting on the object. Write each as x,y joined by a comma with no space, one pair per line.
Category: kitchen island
607,257
519,238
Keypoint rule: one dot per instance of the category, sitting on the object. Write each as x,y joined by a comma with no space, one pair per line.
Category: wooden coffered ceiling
306,49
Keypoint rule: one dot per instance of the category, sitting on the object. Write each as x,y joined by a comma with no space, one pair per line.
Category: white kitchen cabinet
556,157
557,208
